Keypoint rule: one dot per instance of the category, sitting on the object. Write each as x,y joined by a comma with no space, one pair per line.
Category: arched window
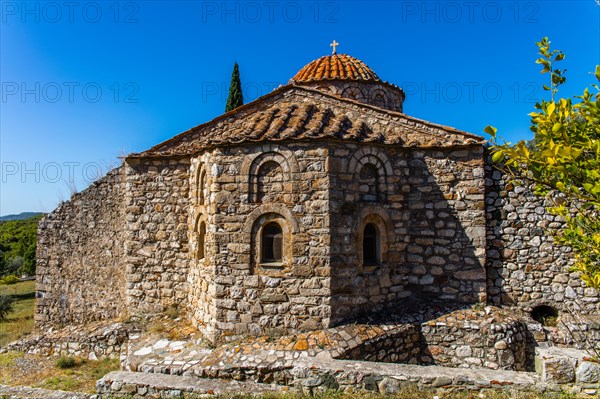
379,100
201,240
271,228
268,174
371,245
271,244
354,93
369,179
371,168
269,182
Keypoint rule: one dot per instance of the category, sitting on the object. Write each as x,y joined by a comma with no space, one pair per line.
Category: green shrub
65,362
6,306
9,280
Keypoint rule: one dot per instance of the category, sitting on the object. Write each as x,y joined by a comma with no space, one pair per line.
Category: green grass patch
9,280
65,362
19,289
62,383
43,372
99,369
8,359
19,322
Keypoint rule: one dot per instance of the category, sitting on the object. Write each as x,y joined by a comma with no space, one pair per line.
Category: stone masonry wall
382,95
130,243
472,339
231,288
98,340
525,269
202,277
80,269
467,338
428,206
156,234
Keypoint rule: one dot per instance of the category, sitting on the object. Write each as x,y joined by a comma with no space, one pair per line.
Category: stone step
567,366
322,372
38,393
387,378
138,385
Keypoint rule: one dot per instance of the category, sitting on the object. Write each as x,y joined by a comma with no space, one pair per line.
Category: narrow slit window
201,240
201,187
370,245
272,244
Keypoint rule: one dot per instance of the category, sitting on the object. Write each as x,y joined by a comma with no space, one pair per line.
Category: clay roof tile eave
183,138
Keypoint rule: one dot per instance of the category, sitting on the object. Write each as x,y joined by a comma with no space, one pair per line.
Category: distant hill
18,239
20,216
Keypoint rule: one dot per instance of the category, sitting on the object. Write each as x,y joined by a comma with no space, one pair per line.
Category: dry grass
174,330
42,372
20,321
413,392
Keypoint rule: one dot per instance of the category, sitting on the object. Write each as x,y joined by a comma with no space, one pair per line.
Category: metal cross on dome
334,45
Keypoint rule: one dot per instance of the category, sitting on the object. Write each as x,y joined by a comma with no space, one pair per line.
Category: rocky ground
158,355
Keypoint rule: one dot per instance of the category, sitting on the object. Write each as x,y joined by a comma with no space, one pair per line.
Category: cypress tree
235,98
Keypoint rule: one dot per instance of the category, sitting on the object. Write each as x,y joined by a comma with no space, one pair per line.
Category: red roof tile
299,113
336,66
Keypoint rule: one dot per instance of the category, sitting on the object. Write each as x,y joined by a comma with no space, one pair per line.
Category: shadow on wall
432,207
496,215
470,337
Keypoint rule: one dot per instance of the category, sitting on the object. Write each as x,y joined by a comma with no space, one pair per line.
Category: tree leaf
498,156
564,155
556,127
490,130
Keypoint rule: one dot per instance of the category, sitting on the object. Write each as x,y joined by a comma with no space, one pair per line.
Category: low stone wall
470,338
122,384
96,341
568,366
466,338
401,344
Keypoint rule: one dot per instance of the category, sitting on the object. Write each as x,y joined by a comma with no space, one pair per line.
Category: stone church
306,208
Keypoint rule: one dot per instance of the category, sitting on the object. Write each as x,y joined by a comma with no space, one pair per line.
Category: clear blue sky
86,81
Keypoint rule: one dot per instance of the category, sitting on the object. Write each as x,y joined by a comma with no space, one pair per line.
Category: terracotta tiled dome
336,66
